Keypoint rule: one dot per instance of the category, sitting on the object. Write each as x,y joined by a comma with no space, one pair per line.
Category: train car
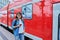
41,17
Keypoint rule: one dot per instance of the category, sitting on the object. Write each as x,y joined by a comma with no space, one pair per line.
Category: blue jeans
20,37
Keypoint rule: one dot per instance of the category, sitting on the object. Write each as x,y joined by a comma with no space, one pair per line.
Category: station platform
7,34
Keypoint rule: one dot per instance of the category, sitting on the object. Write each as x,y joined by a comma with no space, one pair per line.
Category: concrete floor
5,35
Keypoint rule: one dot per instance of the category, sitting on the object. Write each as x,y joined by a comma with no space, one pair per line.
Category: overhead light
36,0
11,0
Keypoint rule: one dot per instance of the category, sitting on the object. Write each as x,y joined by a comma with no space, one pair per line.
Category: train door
59,27
56,21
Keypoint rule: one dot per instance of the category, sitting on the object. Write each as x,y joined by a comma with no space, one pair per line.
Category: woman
18,27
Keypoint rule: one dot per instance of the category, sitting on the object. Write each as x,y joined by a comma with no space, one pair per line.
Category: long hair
19,14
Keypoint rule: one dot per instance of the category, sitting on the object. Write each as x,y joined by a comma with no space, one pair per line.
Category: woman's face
19,16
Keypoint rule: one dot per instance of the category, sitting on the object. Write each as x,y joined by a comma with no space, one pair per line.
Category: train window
27,11
12,13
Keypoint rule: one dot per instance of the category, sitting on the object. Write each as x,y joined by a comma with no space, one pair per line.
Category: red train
44,21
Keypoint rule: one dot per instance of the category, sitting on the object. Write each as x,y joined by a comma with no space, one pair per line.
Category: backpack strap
15,23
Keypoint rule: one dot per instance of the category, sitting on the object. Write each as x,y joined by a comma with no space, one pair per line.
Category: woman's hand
19,25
